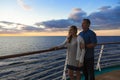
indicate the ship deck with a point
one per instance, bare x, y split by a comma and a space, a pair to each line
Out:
113, 75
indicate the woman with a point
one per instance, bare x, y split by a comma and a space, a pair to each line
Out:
75, 52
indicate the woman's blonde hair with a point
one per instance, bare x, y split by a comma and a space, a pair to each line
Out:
70, 36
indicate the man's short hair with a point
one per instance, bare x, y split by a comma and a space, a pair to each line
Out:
87, 20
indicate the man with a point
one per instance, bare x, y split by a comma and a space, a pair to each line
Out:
90, 42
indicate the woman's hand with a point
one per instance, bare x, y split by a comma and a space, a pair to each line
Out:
54, 48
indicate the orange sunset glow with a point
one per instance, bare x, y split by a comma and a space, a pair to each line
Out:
64, 33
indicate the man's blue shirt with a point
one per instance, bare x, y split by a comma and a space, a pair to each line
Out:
89, 37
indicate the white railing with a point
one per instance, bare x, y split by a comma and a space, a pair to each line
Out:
30, 70
52, 64
100, 55
109, 52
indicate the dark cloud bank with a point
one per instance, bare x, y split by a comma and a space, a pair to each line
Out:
106, 18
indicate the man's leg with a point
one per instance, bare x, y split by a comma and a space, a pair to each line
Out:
85, 70
91, 69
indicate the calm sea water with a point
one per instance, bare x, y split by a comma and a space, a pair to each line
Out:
15, 45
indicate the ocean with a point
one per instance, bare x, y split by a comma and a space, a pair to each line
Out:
31, 67
15, 45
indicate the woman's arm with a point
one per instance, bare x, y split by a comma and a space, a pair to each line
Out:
80, 50
61, 45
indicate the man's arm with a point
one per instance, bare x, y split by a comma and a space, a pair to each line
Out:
93, 40
91, 45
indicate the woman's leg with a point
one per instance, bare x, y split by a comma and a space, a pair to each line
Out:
70, 73
78, 75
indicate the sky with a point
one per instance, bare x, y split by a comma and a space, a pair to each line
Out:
52, 17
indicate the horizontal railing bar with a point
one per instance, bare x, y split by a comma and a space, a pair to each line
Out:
109, 59
44, 72
51, 75
111, 52
11, 78
42, 51
106, 66
104, 60
108, 43
50, 70
107, 48
59, 77
108, 55
110, 64
29, 53
111, 48
116, 62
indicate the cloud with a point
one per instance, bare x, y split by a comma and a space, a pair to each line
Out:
119, 2
8, 31
62, 23
31, 29
23, 5
106, 18
55, 25
9, 27
5, 22
104, 8
74, 18
77, 15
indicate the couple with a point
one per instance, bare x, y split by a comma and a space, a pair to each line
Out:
80, 51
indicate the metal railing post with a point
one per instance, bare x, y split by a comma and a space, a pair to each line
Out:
100, 55
64, 71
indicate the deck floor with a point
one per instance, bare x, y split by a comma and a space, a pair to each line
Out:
114, 75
